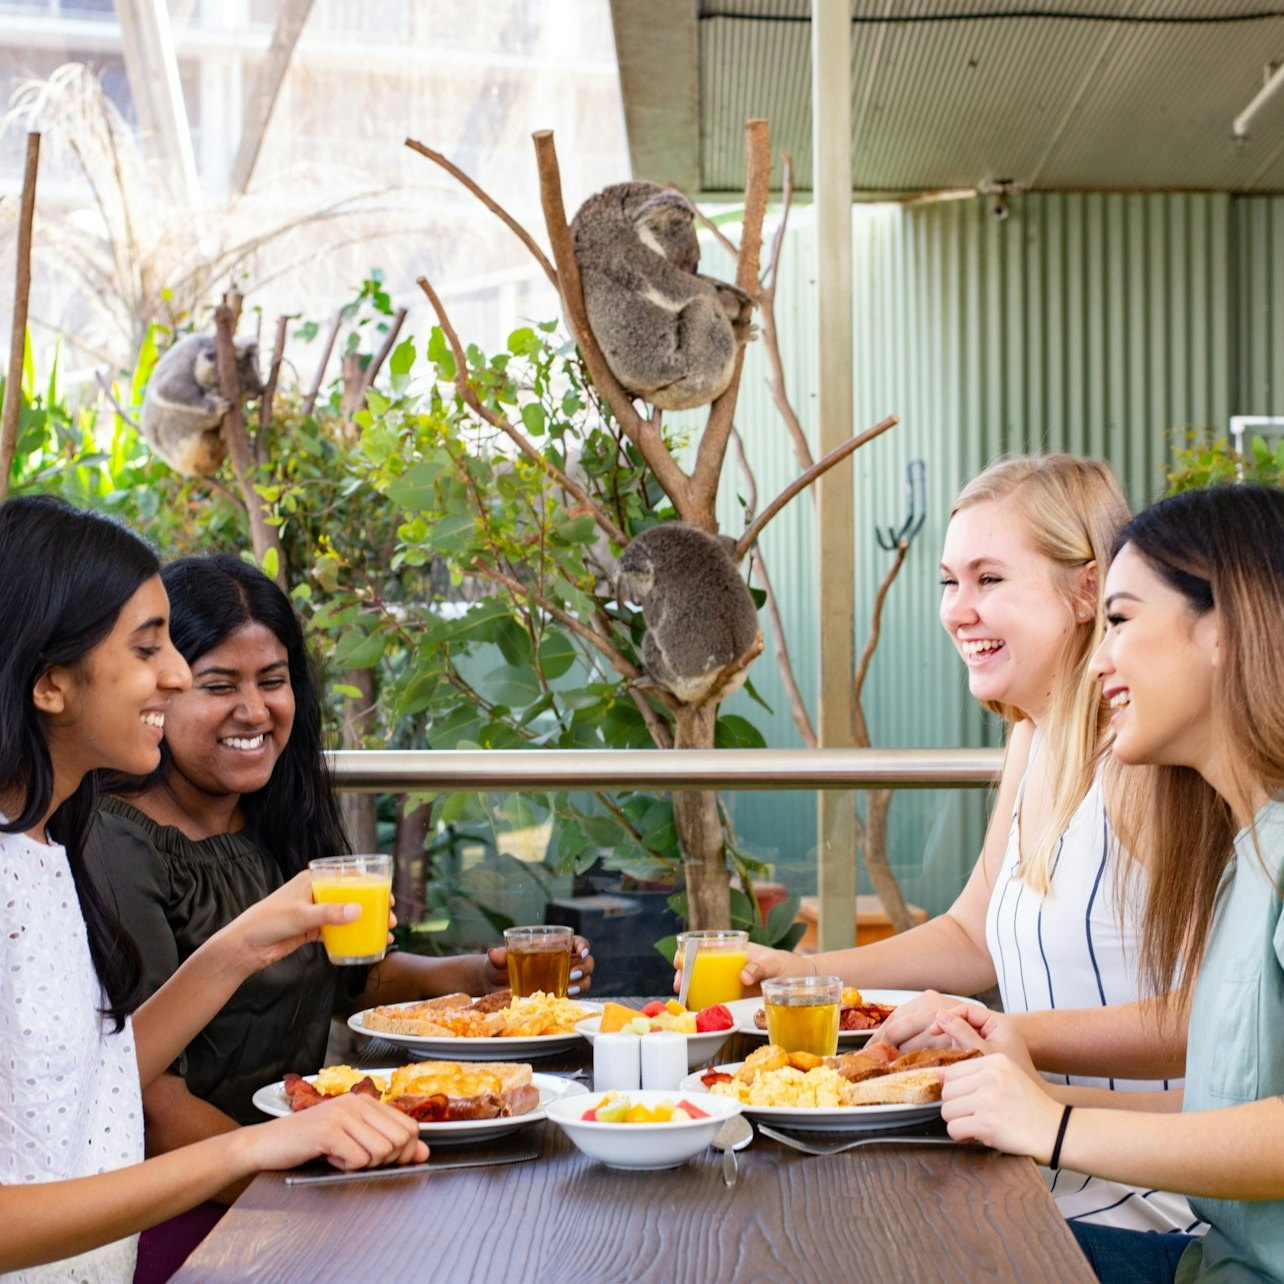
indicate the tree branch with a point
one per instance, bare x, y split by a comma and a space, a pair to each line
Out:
835, 456
102, 382
18, 335
491, 204
269, 392
310, 401
376, 362
262, 535
644, 433
875, 628
717, 431
469, 395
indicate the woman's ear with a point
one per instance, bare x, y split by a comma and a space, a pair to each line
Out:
1085, 591
49, 694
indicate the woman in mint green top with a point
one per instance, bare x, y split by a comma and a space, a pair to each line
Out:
1192, 667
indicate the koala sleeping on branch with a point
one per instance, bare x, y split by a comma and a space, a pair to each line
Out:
183, 412
699, 614
669, 335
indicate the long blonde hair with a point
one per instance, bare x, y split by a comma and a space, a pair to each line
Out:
1222, 549
1073, 509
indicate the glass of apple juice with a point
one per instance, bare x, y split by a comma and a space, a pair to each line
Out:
802, 1013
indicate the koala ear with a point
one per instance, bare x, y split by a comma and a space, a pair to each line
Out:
664, 203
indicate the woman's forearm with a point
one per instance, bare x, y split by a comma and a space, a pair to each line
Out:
1232, 1153
186, 1004
937, 955
174, 1118
46, 1221
1140, 1040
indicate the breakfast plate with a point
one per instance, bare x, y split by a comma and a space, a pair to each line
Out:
831, 1119
271, 1099
494, 1048
743, 1010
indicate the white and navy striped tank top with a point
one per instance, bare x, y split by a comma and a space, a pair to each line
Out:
1077, 948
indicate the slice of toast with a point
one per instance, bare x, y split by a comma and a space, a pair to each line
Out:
903, 1087
434, 1022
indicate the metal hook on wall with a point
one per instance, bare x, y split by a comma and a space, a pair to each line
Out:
916, 502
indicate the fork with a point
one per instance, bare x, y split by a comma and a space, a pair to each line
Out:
837, 1147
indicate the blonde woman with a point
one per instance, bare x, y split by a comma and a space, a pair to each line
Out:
1192, 671
1044, 914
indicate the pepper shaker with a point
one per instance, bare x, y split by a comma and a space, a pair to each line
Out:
664, 1060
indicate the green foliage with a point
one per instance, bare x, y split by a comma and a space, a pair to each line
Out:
428, 553
1200, 459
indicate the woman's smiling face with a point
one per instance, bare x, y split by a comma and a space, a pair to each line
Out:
111, 710
1006, 606
225, 735
1156, 666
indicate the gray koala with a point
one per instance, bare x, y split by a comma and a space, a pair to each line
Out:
668, 334
698, 611
182, 410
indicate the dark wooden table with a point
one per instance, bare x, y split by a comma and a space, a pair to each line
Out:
880, 1213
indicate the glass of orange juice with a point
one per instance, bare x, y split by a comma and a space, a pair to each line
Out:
718, 961
539, 960
802, 1013
361, 880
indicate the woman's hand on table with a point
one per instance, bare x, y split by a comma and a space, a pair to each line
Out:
494, 968
913, 1024
969, 1025
349, 1131
992, 1100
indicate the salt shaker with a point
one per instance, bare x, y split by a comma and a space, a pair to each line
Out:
617, 1062
664, 1060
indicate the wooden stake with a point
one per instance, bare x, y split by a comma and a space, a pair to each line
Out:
21, 296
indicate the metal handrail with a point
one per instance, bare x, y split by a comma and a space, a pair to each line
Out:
496, 770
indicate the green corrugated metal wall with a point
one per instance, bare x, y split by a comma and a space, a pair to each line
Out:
1089, 323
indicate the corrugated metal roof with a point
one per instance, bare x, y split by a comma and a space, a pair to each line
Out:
946, 94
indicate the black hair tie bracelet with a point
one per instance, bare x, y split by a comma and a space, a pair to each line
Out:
1061, 1136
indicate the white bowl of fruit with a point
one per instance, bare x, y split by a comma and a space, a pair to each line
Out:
705, 1031
644, 1130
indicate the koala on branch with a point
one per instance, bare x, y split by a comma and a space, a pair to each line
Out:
699, 614
668, 334
183, 412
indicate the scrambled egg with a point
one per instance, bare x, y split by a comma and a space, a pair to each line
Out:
817, 1089
540, 1014
334, 1080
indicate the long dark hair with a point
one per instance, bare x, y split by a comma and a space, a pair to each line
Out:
64, 577
1222, 549
295, 814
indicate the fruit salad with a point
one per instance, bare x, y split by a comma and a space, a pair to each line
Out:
665, 1015
614, 1108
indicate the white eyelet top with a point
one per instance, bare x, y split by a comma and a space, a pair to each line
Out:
70, 1102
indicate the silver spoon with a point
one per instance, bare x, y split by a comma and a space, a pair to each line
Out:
689, 951
734, 1135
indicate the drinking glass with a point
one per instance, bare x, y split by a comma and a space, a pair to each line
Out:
718, 964
802, 1013
366, 881
539, 959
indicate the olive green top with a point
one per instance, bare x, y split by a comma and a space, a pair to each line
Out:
172, 893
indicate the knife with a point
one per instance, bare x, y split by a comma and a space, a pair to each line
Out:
404, 1170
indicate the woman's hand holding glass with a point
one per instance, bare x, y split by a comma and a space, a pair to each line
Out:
278, 924
494, 968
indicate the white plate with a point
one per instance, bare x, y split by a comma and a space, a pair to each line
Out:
743, 1010
495, 1049
838, 1119
642, 1146
701, 1048
273, 1101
